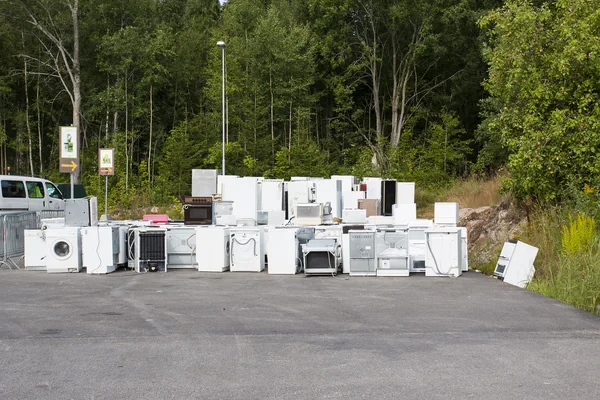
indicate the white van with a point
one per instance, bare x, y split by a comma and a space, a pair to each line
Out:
27, 193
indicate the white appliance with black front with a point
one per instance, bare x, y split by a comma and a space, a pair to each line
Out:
388, 196
284, 251
330, 191
35, 249
100, 249
181, 246
320, 257
212, 248
247, 249
63, 249
362, 253
391, 247
515, 265
443, 252
417, 244
147, 249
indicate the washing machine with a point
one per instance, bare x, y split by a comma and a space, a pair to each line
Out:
63, 249
35, 249
100, 249
247, 249
212, 248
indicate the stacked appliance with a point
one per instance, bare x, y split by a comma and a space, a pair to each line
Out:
405, 193
388, 196
247, 249
35, 249
391, 247
308, 214
329, 191
320, 257
245, 193
443, 252
181, 246
204, 182
515, 265
404, 213
81, 212
299, 192
197, 210
417, 244
63, 249
362, 253
147, 249
100, 249
223, 213
346, 245
284, 251
213, 248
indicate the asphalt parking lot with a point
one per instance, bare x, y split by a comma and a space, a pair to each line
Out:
186, 334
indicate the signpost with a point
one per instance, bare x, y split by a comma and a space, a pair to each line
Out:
69, 153
106, 167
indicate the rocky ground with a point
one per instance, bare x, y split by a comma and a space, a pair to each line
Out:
488, 228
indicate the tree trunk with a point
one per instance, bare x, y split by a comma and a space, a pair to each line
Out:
27, 125
126, 134
290, 129
39, 125
150, 140
272, 122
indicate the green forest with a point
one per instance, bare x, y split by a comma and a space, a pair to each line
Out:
427, 91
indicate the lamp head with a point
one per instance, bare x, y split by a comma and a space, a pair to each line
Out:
221, 44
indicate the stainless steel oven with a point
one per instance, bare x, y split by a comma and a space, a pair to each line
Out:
197, 211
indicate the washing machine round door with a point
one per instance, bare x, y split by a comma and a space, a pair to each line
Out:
62, 249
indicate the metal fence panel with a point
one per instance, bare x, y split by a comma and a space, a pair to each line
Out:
2, 252
14, 226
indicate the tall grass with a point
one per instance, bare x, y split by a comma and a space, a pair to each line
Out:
568, 261
468, 193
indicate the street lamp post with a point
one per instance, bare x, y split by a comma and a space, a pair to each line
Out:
221, 44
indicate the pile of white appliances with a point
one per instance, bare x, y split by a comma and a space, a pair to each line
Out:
311, 225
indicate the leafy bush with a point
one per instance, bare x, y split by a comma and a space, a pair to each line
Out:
544, 100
